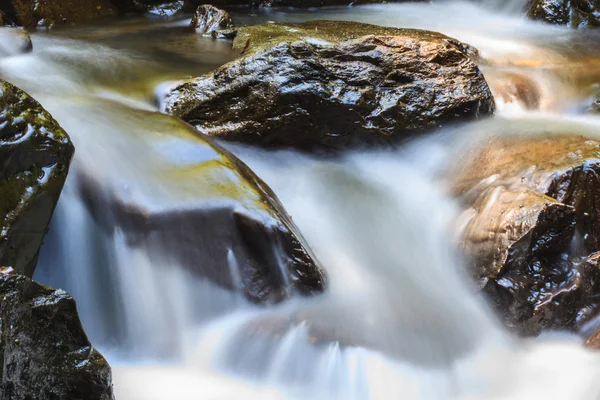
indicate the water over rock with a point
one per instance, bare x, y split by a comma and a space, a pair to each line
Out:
531, 222
44, 352
573, 13
35, 153
233, 230
334, 85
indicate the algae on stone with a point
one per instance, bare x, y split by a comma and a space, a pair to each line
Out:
36, 153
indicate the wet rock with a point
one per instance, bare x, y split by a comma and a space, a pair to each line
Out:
166, 9
573, 13
531, 217
44, 352
14, 41
35, 154
515, 88
233, 231
212, 21
506, 226
334, 85
48, 13
318, 3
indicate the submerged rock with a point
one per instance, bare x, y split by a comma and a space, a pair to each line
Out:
48, 13
210, 20
14, 41
573, 13
327, 84
531, 217
44, 352
230, 228
35, 154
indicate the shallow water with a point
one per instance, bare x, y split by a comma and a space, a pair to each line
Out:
399, 319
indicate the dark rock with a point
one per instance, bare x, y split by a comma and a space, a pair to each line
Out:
573, 13
235, 233
327, 84
532, 215
35, 154
210, 20
48, 13
45, 354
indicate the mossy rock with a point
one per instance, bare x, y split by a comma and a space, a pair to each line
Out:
36, 153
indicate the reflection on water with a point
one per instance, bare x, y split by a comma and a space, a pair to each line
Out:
399, 319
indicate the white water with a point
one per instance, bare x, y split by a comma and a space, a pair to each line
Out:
399, 319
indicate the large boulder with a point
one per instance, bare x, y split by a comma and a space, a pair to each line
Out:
44, 352
221, 222
35, 154
573, 13
334, 85
530, 223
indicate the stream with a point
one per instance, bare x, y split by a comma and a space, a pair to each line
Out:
403, 319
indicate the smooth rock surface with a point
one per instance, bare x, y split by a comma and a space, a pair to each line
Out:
35, 154
44, 352
221, 222
334, 85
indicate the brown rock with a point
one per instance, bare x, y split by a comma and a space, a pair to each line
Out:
529, 199
334, 85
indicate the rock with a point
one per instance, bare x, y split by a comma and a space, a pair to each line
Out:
14, 41
233, 230
531, 215
334, 85
48, 13
44, 352
514, 88
594, 108
506, 226
212, 21
166, 9
574, 13
318, 3
35, 154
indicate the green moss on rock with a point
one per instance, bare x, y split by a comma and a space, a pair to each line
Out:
36, 153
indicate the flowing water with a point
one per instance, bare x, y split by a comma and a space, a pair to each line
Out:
399, 319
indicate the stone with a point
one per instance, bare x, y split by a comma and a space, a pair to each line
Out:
334, 85
35, 153
166, 9
573, 13
44, 352
232, 231
212, 21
